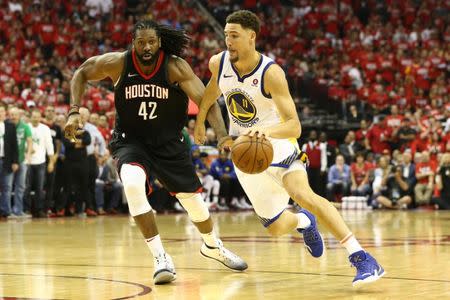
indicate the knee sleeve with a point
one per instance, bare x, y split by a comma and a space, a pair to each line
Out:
134, 180
194, 205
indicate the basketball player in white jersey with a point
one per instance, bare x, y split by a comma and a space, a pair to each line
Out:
259, 103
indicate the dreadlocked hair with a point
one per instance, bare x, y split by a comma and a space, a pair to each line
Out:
173, 41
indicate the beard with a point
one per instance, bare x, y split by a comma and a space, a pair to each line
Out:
147, 62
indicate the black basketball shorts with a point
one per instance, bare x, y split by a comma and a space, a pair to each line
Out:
170, 162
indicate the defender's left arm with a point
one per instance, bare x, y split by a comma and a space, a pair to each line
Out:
275, 84
181, 73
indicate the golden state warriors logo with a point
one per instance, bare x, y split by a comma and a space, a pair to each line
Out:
240, 106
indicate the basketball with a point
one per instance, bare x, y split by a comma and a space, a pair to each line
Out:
251, 154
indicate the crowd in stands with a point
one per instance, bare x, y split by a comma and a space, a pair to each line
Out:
383, 65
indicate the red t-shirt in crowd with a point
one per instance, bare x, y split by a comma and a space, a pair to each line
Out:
47, 33
419, 145
378, 137
360, 135
393, 121
422, 168
378, 100
359, 172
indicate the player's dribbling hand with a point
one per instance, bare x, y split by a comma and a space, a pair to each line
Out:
199, 133
72, 129
225, 143
258, 132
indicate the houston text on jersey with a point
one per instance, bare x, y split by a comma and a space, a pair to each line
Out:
146, 90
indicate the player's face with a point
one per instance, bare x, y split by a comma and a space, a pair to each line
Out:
146, 45
239, 41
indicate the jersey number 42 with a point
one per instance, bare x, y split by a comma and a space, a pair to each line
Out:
147, 110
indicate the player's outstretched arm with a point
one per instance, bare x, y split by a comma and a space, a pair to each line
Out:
209, 103
95, 68
276, 85
195, 89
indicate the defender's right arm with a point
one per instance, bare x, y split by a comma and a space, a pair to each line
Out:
212, 92
95, 68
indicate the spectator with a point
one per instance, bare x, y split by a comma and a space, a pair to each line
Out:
328, 157
425, 178
211, 186
25, 144
107, 180
95, 149
56, 132
211, 139
338, 179
381, 175
316, 160
405, 135
9, 161
94, 119
378, 137
443, 183
360, 176
42, 148
409, 171
350, 147
353, 116
104, 129
77, 175
222, 169
60, 195
394, 191
361, 133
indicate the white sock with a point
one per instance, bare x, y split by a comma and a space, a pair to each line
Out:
351, 244
215, 199
303, 221
210, 239
155, 245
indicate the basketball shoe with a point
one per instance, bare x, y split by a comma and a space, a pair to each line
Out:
311, 236
367, 268
164, 269
225, 256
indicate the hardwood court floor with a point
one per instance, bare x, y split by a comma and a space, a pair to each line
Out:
105, 258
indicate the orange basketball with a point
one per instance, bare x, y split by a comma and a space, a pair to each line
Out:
251, 155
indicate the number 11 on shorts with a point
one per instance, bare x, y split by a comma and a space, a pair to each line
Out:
151, 110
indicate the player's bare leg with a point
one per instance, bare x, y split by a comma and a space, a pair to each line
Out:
212, 246
296, 184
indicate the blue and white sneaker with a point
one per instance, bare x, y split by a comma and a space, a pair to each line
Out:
367, 268
311, 236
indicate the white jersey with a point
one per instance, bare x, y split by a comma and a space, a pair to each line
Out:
248, 104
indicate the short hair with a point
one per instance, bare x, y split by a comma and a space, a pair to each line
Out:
246, 19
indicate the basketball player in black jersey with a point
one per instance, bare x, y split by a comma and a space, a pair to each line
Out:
152, 89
